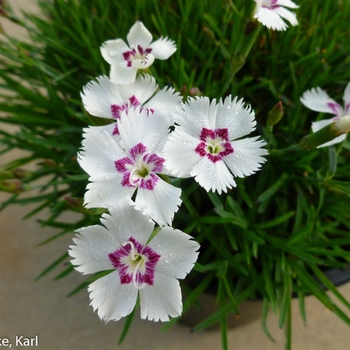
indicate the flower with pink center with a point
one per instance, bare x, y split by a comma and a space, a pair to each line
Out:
318, 100
137, 265
208, 143
105, 99
270, 13
118, 169
126, 60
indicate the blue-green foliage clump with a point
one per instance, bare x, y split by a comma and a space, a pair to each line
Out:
274, 235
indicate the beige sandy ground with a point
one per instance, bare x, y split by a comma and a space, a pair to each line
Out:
41, 308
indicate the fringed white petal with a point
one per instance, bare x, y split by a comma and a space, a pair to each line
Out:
317, 100
346, 98
270, 19
161, 203
125, 221
196, 114
213, 176
91, 249
139, 35
161, 300
287, 3
237, 118
163, 48
247, 156
288, 15
138, 125
178, 252
179, 153
111, 299
122, 74
112, 51
98, 97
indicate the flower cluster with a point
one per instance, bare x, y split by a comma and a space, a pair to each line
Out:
151, 137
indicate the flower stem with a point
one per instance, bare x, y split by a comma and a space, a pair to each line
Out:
239, 57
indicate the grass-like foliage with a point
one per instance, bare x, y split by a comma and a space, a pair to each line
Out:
275, 234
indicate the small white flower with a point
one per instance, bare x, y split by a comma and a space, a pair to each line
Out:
126, 60
208, 145
105, 99
270, 13
118, 169
318, 100
148, 269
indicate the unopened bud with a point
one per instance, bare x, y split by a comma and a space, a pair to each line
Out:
275, 114
183, 91
78, 204
343, 125
326, 134
195, 92
209, 33
13, 186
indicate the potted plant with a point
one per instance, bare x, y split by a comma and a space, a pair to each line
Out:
251, 166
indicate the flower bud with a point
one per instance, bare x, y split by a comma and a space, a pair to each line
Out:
13, 186
343, 125
195, 92
275, 114
326, 134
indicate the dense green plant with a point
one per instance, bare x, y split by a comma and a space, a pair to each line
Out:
273, 235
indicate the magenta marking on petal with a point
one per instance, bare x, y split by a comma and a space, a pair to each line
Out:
121, 164
335, 107
134, 101
116, 109
214, 144
149, 256
200, 149
128, 55
347, 107
157, 162
149, 182
137, 150
116, 129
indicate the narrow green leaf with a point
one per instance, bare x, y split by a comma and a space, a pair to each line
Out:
52, 266
127, 324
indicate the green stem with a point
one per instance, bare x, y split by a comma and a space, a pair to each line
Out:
239, 57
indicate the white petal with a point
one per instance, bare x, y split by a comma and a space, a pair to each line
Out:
143, 63
106, 192
139, 35
346, 99
125, 221
338, 139
102, 129
164, 102
161, 203
196, 114
246, 158
213, 176
270, 19
112, 51
315, 126
111, 299
99, 153
163, 48
287, 3
288, 15
232, 114
99, 96
318, 100
177, 250
137, 126
122, 74
161, 300
179, 153
91, 249
143, 89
